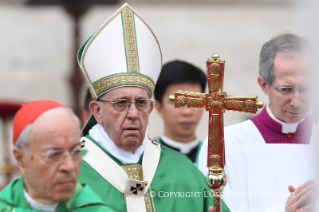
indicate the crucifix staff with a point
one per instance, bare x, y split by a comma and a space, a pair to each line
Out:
216, 101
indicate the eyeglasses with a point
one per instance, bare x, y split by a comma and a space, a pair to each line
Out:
305, 90
55, 156
123, 105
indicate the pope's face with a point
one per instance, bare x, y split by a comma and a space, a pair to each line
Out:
293, 72
52, 182
179, 123
126, 129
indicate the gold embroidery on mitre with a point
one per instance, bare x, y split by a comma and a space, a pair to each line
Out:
136, 172
130, 40
123, 79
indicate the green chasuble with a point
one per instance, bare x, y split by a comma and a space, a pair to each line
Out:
177, 185
12, 199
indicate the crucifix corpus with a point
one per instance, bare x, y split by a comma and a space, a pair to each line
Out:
216, 102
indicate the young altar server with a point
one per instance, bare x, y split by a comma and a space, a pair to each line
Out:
179, 124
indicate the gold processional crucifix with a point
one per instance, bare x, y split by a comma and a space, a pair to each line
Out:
215, 102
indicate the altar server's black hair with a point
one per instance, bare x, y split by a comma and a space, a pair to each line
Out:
178, 72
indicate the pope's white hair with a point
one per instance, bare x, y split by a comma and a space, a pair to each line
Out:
25, 133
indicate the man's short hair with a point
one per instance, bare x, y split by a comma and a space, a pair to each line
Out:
286, 44
87, 100
178, 72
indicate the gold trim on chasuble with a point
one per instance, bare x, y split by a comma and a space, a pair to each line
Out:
136, 172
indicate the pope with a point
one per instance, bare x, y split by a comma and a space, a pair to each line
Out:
121, 62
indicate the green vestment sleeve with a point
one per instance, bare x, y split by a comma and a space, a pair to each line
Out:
12, 199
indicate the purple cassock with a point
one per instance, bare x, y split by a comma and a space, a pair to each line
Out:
272, 131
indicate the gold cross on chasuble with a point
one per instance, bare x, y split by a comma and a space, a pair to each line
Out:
136, 172
216, 102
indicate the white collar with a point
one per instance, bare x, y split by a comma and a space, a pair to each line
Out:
286, 127
126, 157
38, 205
184, 148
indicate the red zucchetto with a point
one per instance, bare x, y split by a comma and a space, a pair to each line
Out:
29, 112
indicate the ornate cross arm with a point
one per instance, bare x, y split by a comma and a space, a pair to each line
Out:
187, 99
248, 104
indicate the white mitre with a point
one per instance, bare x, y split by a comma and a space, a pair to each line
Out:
122, 52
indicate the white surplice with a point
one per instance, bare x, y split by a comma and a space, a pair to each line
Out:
258, 174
